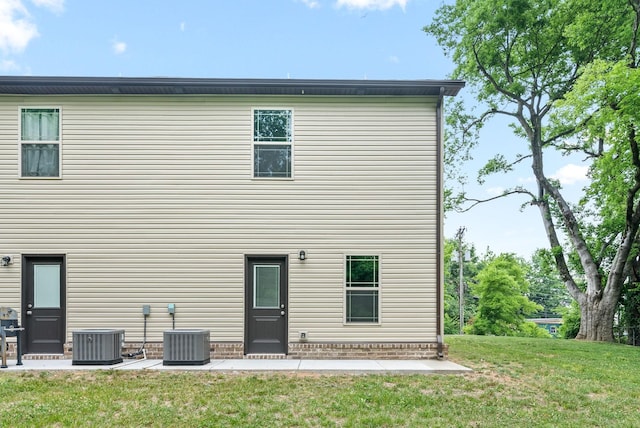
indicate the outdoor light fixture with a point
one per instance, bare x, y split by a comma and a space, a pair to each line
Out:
6, 261
302, 255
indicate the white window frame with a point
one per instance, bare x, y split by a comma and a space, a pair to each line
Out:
346, 288
255, 142
255, 278
21, 141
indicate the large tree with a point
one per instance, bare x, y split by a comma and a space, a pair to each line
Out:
522, 57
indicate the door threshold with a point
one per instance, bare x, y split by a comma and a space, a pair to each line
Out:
43, 357
265, 357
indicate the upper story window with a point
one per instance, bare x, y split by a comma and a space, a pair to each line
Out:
272, 143
40, 142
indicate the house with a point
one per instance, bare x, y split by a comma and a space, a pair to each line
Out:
293, 218
552, 325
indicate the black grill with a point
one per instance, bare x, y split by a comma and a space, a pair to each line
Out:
9, 324
9, 327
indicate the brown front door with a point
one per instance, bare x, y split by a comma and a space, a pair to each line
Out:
43, 304
266, 305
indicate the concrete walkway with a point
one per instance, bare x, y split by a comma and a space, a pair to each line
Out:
251, 365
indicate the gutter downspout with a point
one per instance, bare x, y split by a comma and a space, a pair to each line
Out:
439, 228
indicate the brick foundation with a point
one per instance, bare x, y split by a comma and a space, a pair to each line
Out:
297, 351
364, 351
154, 350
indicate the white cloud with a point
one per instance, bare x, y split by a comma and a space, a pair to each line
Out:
371, 4
571, 174
16, 27
183, 26
56, 6
311, 4
394, 59
8, 65
118, 46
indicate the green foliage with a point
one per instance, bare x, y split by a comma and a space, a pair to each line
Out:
460, 139
471, 268
498, 164
606, 99
503, 305
525, 44
545, 286
531, 329
629, 331
520, 59
570, 321
512, 53
451, 324
519, 54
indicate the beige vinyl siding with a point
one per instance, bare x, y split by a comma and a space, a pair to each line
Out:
157, 205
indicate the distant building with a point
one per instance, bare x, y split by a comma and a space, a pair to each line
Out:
550, 324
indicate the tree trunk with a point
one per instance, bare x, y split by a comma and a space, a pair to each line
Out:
596, 321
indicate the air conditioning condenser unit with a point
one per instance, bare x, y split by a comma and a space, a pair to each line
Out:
186, 347
97, 346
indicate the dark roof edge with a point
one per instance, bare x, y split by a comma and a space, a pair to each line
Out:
42, 85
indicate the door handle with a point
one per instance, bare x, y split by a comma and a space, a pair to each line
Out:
29, 312
282, 313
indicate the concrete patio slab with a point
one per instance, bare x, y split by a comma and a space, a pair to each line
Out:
340, 366
420, 366
258, 365
137, 364
445, 367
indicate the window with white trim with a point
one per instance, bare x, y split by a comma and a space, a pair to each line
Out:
272, 143
39, 142
362, 288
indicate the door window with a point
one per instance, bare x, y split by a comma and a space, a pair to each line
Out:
46, 286
266, 286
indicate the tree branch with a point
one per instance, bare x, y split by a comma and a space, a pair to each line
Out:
605, 247
491, 79
575, 236
506, 193
556, 250
479, 120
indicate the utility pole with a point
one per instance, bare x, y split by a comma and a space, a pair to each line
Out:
460, 236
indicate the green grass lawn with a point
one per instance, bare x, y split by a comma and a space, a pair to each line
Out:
516, 382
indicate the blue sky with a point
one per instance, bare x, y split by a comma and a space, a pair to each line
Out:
324, 39
379, 39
